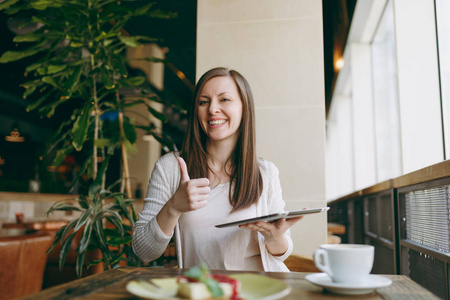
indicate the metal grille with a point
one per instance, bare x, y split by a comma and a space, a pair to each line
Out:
371, 215
338, 213
386, 217
384, 259
427, 218
358, 225
428, 272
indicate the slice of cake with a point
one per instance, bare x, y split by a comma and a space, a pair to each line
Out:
200, 284
199, 290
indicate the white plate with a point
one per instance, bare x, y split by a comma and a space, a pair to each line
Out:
253, 286
163, 288
368, 285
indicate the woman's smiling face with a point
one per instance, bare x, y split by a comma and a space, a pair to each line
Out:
220, 109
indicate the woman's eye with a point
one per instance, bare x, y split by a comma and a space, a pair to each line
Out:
202, 102
225, 99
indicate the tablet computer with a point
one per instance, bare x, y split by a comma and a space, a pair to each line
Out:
274, 217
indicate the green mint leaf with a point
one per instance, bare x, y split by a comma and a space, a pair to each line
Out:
204, 269
213, 286
202, 275
194, 273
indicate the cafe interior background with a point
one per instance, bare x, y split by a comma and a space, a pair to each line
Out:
352, 101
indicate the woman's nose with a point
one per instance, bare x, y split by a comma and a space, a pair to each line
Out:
214, 107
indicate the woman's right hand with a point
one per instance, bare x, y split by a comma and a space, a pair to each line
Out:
192, 194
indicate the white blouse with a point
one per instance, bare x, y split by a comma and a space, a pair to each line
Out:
229, 248
149, 242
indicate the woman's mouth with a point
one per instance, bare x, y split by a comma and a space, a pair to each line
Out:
216, 122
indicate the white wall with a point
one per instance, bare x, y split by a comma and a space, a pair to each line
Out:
278, 47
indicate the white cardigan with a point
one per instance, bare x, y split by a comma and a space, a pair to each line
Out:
149, 242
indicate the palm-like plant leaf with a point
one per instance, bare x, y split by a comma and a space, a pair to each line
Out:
62, 206
37, 102
83, 219
130, 131
118, 257
80, 263
7, 4
65, 250
85, 237
98, 227
71, 82
68, 229
111, 232
80, 128
99, 179
117, 222
58, 237
157, 114
61, 154
83, 201
10, 56
116, 241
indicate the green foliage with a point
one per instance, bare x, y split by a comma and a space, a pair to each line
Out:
80, 57
79, 48
100, 207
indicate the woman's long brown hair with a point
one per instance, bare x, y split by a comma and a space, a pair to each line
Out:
246, 182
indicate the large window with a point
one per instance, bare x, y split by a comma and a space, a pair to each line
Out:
386, 113
339, 154
398, 54
443, 34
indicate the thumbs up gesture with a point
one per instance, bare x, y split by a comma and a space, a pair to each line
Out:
191, 194
183, 170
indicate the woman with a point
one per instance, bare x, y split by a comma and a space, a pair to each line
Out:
217, 178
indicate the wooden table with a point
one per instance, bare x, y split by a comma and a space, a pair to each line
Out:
111, 285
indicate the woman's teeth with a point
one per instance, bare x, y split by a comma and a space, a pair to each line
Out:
216, 122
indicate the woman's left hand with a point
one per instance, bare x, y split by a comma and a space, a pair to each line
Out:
273, 233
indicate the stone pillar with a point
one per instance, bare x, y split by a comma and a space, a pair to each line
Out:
278, 47
142, 162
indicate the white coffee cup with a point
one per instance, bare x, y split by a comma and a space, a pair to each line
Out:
345, 263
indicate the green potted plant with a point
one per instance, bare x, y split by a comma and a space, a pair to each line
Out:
79, 49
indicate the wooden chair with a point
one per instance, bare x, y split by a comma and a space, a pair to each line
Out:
23, 264
299, 263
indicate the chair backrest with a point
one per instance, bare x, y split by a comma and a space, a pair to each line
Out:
23, 264
54, 276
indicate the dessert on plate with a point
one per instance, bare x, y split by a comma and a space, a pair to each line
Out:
197, 283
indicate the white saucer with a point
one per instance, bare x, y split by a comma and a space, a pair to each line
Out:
368, 285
